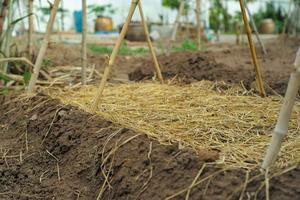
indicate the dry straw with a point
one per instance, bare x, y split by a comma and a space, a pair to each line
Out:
203, 115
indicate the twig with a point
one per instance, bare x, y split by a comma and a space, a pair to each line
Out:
53, 156
245, 186
51, 124
41, 177
144, 187
267, 182
58, 172
194, 181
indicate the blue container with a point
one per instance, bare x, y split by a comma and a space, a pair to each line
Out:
78, 21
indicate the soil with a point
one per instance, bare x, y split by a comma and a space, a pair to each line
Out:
55, 151
232, 65
229, 63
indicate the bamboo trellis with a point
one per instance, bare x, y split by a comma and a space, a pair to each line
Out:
112, 59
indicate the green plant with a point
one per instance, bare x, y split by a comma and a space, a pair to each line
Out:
173, 4
186, 45
101, 10
271, 12
124, 49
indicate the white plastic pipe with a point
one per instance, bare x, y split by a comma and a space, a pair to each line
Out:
281, 128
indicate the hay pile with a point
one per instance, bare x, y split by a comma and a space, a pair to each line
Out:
201, 115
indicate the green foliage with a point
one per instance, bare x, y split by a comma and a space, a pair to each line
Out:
219, 17
4, 91
186, 45
173, 4
4, 78
47, 63
124, 49
26, 77
273, 13
101, 10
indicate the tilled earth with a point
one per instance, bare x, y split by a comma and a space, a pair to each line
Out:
229, 63
54, 151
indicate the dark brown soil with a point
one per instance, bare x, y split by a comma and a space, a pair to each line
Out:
80, 145
232, 65
228, 63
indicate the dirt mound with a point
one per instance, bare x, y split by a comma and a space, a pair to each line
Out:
232, 65
190, 67
53, 151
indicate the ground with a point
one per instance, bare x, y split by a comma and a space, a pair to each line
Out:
50, 150
54, 151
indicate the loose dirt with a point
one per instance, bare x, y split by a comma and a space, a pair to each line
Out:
230, 64
54, 151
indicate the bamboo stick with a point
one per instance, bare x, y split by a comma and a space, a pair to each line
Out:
287, 18
281, 128
153, 53
30, 27
3, 13
113, 56
263, 48
83, 44
8, 35
253, 51
198, 17
177, 22
43, 48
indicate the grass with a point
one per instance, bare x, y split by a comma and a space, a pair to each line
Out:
124, 49
186, 45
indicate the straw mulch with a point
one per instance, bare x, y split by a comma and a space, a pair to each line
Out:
203, 115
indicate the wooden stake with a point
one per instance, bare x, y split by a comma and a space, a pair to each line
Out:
198, 17
153, 53
255, 30
177, 22
30, 28
43, 48
83, 44
113, 56
3, 14
253, 51
287, 18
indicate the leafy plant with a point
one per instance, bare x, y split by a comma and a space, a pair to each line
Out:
26, 77
186, 45
270, 12
101, 10
124, 49
173, 4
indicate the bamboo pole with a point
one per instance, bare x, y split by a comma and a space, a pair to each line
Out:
113, 56
253, 51
30, 27
8, 35
287, 18
177, 22
3, 13
198, 17
153, 53
263, 48
43, 48
281, 128
83, 44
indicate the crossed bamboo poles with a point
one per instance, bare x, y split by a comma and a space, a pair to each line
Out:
112, 59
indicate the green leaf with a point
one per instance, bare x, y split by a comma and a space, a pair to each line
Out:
26, 77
